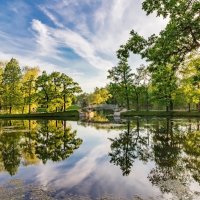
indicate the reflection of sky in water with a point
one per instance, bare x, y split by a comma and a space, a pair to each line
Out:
91, 173
88, 170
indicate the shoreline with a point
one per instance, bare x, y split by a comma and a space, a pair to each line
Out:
71, 114
160, 114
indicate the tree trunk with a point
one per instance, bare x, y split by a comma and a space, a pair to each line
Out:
127, 99
199, 106
137, 102
29, 108
198, 125
10, 109
64, 106
189, 107
23, 110
171, 105
147, 100
64, 98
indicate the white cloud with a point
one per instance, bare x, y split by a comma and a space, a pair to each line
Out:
51, 17
49, 39
111, 25
46, 44
93, 30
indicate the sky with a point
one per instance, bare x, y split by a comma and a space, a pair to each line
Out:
76, 37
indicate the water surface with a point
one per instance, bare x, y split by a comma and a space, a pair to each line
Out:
143, 158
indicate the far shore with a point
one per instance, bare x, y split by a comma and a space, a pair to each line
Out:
133, 113
74, 114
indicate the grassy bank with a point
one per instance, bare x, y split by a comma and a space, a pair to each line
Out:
160, 114
71, 114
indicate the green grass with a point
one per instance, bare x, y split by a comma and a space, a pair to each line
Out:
71, 114
73, 107
41, 110
161, 113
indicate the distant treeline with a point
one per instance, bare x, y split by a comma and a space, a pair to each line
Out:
162, 88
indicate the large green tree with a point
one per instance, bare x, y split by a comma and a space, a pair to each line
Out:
56, 91
122, 81
28, 88
164, 85
45, 89
11, 85
69, 89
180, 37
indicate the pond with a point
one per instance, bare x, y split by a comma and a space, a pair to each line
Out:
157, 158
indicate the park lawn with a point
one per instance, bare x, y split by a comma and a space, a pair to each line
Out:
70, 114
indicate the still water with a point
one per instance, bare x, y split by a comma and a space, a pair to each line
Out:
138, 159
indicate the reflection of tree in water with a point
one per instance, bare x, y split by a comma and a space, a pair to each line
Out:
129, 146
46, 140
174, 149
170, 173
166, 146
55, 141
28, 143
192, 150
10, 151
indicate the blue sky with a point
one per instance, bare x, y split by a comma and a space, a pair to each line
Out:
77, 37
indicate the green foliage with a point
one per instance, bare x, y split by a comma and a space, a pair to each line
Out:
44, 140
28, 87
164, 85
166, 52
83, 100
190, 82
23, 91
99, 96
56, 91
180, 37
11, 84
121, 81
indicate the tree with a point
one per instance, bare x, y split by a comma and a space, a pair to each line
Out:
69, 90
190, 80
56, 90
180, 37
122, 79
11, 84
56, 101
164, 85
140, 83
83, 100
28, 86
44, 89
99, 96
